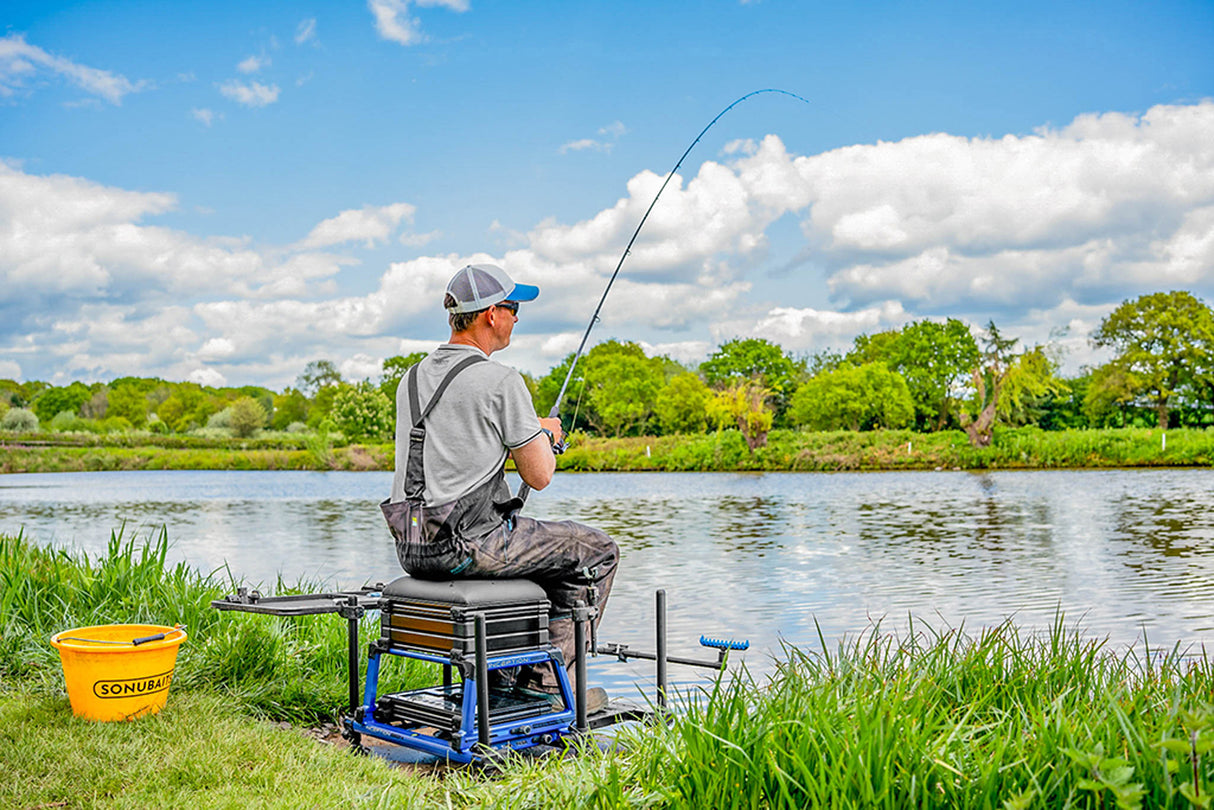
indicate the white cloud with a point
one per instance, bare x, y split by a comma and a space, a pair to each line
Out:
581, 145
360, 367
613, 133
253, 94
393, 22
21, 62
216, 349
369, 224
419, 239
9, 370
203, 115
305, 31
616, 129
806, 329
207, 376
252, 64
687, 352
1035, 231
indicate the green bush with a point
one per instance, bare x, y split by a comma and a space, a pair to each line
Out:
362, 412
65, 421
19, 420
246, 416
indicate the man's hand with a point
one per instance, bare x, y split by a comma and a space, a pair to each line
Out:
553, 424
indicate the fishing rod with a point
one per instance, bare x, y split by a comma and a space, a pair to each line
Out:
524, 490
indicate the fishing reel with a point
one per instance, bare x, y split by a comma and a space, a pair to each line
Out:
557, 447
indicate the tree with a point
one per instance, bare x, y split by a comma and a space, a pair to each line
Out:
290, 406
1166, 341
682, 404
988, 379
317, 375
853, 398
54, 401
935, 359
394, 369
13, 394
128, 402
1032, 377
362, 412
1112, 389
247, 417
745, 404
622, 386
548, 386
97, 404
753, 359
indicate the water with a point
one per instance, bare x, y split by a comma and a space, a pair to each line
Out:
772, 558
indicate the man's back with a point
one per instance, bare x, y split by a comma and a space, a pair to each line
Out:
485, 412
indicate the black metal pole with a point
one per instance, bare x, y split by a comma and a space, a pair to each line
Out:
352, 640
482, 682
661, 656
579, 668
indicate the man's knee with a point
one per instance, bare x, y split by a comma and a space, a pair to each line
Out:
606, 549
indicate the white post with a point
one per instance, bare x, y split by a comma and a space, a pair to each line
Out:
1163, 442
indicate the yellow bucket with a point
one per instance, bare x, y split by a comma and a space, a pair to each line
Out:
118, 671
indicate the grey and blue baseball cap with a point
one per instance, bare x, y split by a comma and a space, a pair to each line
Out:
480, 286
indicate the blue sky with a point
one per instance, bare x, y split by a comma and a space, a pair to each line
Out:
225, 191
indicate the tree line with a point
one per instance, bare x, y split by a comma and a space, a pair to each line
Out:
926, 375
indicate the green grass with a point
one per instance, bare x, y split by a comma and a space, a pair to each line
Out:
827, 451
786, 450
285, 669
994, 718
945, 719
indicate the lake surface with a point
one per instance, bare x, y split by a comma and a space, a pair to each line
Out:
756, 556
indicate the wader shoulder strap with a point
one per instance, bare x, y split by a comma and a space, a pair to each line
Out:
415, 474
414, 403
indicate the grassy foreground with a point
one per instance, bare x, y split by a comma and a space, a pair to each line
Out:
786, 450
926, 718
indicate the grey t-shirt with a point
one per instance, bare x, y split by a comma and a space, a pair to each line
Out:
485, 411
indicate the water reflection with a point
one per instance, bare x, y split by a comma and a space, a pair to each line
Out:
772, 558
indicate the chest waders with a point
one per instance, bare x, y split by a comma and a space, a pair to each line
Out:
432, 542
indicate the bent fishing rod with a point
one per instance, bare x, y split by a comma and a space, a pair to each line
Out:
525, 490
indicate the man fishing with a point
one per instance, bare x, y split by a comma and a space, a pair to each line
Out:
459, 416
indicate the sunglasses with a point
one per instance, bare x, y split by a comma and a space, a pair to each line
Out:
510, 305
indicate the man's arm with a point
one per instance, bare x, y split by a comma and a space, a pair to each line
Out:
535, 460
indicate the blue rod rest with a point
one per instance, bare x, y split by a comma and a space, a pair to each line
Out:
723, 644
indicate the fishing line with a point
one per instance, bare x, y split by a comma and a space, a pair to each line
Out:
556, 406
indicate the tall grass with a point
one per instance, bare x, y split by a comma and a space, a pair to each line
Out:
999, 718
943, 719
284, 668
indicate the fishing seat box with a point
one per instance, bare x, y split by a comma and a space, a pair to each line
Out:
438, 617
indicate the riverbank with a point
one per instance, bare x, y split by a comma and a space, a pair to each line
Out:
924, 717
787, 450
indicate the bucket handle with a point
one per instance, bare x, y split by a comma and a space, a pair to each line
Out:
177, 628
